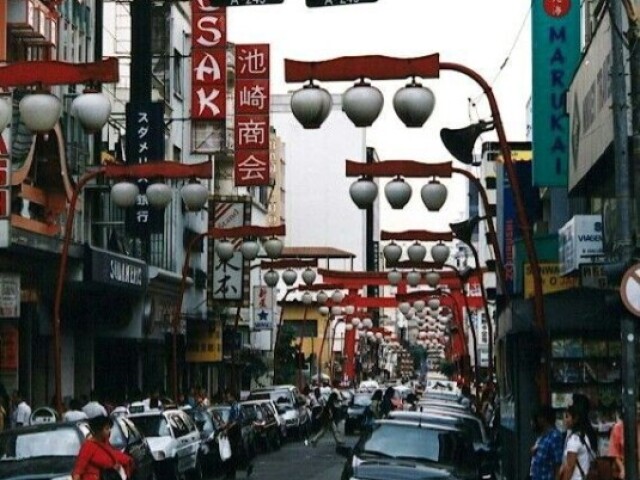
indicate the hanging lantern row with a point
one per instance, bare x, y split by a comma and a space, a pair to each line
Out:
249, 249
159, 194
413, 278
362, 103
41, 110
416, 252
398, 192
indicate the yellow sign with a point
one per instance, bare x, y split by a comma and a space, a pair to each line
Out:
552, 281
204, 343
517, 156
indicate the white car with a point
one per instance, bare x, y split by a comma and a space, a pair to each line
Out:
290, 405
174, 441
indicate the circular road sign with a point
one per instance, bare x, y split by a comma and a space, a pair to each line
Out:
630, 289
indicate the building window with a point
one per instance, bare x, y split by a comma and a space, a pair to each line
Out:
304, 328
178, 75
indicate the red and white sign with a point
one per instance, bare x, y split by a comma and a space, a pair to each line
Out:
252, 115
209, 62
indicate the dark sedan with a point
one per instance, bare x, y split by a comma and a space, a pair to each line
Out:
358, 406
394, 449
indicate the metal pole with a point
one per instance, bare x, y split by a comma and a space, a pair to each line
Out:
324, 337
624, 230
62, 272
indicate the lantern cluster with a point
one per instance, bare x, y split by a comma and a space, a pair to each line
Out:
398, 192
250, 248
428, 323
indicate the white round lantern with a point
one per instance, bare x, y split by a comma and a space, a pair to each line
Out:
392, 253
323, 309
417, 252
434, 303
419, 305
367, 322
398, 193
92, 109
440, 253
250, 249
404, 307
273, 247
355, 321
433, 194
40, 111
194, 195
433, 278
348, 327
363, 192
413, 278
379, 335
307, 298
349, 309
224, 249
289, 277
322, 297
394, 277
362, 103
124, 194
311, 106
308, 276
159, 195
337, 296
271, 278
336, 310
413, 104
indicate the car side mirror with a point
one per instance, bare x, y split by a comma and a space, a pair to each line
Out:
344, 451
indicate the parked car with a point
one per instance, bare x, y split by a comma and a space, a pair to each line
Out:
209, 424
264, 422
126, 437
356, 412
174, 440
412, 450
282, 426
291, 407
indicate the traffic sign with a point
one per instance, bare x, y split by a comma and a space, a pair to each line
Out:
336, 3
243, 3
630, 289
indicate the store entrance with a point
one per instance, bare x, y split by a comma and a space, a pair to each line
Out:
116, 370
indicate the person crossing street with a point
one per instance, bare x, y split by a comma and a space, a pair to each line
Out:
328, 418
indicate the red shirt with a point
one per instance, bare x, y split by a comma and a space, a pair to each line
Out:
93, 458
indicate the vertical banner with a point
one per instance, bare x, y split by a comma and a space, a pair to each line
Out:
252, 115
209, 61
555, 28
5, 182
229, 280
145, 143
9, 295
263, 308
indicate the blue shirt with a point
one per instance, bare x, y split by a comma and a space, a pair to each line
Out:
548, 456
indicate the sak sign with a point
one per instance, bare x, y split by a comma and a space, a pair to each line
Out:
555, 27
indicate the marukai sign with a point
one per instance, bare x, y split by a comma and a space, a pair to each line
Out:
125, 273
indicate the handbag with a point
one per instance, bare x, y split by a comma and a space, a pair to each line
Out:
224, 446
600, 467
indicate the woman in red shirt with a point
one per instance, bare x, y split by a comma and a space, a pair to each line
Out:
97, 454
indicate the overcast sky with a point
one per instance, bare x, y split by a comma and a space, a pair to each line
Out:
477, 33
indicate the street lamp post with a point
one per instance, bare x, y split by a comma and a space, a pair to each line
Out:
377, 67
121, 172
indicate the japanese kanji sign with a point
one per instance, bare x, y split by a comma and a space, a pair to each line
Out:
209, 61
229, 280
263, 308
252, 115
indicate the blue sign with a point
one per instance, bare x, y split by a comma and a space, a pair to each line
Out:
555, 26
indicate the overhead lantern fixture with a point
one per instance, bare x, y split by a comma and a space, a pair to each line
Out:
414, 104
413, 278
362, 103
324, 310
6, 111
125, 194
322, 297
250, 249
336, 310
92, 109
440, 253
194, 195
433, 278
348, 327
417, 252
355, 321
404, 307
40, 111
273, 247
271, 278
398, 193
307, 298
337, 296
367, 322
363, 192
224, 249
311, 105
349, 309
394, 277
434, 303
289, 277
419, 305
392, 253
159, 195
308, 276
433, 194
460, 142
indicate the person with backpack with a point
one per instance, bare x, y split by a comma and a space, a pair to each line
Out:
577, 454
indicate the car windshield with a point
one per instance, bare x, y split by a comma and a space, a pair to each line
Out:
61, 442
362, 400
152, 425
467, 425
417, 443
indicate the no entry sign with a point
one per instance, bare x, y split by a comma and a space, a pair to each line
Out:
630, 289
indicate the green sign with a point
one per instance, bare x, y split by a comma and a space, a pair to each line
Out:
555, 27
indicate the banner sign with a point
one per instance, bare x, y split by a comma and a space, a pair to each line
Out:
9, 295
263, 308
552, 281
229, 280
252, 115
204, 343
209, 61
579, 241
555, 27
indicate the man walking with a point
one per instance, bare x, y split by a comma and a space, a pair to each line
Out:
22, 411
328, 418
546, 454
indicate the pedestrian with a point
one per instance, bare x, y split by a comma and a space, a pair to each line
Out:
376, 403
94, 408
22, 410
616, 443
546, 454
233, 430
96, 455
387, 405
411, 402
75, 412
582, 403
328, 418
152, 402
577, 453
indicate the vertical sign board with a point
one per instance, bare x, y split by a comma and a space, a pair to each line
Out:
209, 62
5, 183
555, 28
263, 308
9, 295
252, 115
145, 143
230, 279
